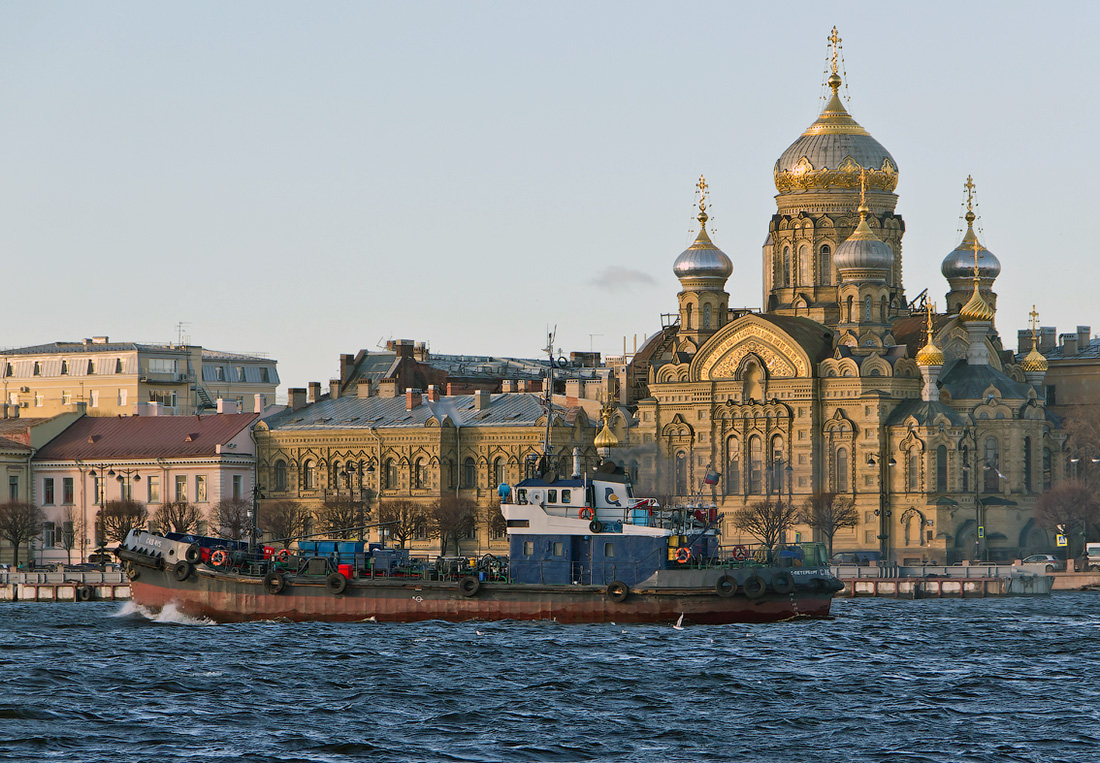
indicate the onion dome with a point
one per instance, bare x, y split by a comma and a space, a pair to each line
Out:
1033, 361
832, 151
977, 309
606, 438
863, 250
930, 354
703, 259
960, 263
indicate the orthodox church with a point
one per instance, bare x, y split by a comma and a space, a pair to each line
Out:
935, 431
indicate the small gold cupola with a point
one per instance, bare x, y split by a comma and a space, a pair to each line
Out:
930, 354
977, 309
1034, 362
605, 438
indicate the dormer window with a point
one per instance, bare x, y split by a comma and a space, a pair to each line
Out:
64, 367
219, 373
118, 365
37, 368
240, 373
91, 367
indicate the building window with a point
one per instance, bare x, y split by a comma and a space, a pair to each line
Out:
181, 487
238, 486
118, 365
38, 400
992, 462
48, 529
280, 475
37, 369
67, 491
95, 398
153, 484
1027, 464
681, 473
756, 466
66, 397
219, 373
1051, 397
966, 469
776, 466
240, 373
418, 474
706, 316
47, 491
389, 473
825, 266
1048, 461
309, 476
68, 539
867, 308
122, 397
469, 473
265, 375
91, 368
64, 368
941, 469
688, 321
786, 266
13, 488
912, 470
733, 467
498, 471
97, 489
200, 488
842, 470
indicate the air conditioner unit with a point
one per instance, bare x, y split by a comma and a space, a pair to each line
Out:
24, 405
24, 389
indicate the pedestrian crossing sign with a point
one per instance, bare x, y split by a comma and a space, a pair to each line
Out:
1062, 542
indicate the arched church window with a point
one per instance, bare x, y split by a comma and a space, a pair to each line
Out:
309, 475
498, 471
786, 266
756, 466
851, 306
941, 469
841, 481
1048, 461
469, 473
882, 310
1027, 464
681, 473
688, 312
966, 468
992, 462
867, 308
825, 265
280, 474
706, 316
753, 389
805, 267
912, 470
733, 467
776, 466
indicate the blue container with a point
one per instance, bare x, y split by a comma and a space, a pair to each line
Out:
641, 517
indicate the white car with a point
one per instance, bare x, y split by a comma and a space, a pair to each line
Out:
1051, 562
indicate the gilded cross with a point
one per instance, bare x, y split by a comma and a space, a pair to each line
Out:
703, 189
834, 38
976, 276
1034, 319
969, 186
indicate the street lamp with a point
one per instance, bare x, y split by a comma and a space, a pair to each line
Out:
883, 511
124, 480
101, 500
979, 506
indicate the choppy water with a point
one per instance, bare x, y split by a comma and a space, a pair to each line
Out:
1012, 679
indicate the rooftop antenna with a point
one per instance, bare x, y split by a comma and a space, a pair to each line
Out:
180, 325
548, 398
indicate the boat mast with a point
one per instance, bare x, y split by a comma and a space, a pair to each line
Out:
548, 397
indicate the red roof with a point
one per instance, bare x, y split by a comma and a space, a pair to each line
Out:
17, 432
94, 437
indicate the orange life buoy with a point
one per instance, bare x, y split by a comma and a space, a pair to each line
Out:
740, 553
283, 556
683, 554
219, 557
587, 513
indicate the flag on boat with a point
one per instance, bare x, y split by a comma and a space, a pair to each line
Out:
712, 477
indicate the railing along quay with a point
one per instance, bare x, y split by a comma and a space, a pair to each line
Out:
64, 586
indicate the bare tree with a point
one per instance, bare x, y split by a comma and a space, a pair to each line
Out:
286, 520
401, 518
341, 516
20, 522
117, 518
828, 513
179, 517
72, 530
232, 518
1067, 507
450, 519
498, 525
766, 520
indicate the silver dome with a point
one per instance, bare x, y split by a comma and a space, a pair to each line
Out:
960, 263
703, 260
863, 250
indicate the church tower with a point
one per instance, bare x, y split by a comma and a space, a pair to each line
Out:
818, 180
863, 264
703, 269
958, 269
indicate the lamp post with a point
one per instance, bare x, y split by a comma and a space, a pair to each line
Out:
123, 476
883, 511
981, 551
100, 478
254, 517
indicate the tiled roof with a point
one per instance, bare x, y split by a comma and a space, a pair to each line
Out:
966, 382
222, 355
8, 444
925, 413
511, 409
68, 348
95, 437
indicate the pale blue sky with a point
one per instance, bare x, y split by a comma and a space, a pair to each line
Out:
309, 179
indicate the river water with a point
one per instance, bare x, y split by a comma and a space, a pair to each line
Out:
999, 679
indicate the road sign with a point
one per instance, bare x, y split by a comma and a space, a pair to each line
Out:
981, 531
1062, 541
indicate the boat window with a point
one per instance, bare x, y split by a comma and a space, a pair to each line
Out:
551, 496
521, 496
609, 549
565, 496
528, 547
559, 548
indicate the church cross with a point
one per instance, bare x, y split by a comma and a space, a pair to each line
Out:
969, 186
834, 38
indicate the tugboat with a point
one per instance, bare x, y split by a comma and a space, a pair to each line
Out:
582, 549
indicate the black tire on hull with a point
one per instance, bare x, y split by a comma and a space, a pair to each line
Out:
83, 592
595, 527
725, 587
469, 586
782, 582
618, 591
193, 553
336, 583
181, 571
755, 587
274, 582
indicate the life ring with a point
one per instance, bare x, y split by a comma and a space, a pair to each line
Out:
618, 591
282, 556
782, 582
83, 592
536, 496
755, 587
683, 555
274, 582
219, 557
469, 586
725, 587
181, 570
587, 513
193, 553
595, 527
740, 553
336, 583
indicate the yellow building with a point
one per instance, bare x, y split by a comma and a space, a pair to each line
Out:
124, 378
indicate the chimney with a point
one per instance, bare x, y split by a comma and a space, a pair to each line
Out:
227, 406
296, 397
100, 340
1047, 338
260, 403
507, 385
334, 388
1069, 344
433, 393
1023, 342
387, 388
362, 388
403, 348
314, 392
412, 398
1084, 338
481, 399
345, 366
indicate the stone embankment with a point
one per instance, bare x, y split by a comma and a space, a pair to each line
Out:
964, 581
64, 586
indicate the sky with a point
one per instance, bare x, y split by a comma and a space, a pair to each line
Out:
304, 180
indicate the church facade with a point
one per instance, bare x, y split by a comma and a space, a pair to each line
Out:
938, 435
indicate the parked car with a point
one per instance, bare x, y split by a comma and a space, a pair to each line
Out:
1051, 563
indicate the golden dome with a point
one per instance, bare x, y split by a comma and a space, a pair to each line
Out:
606, 438
977, 309
1033, 362
930, 355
